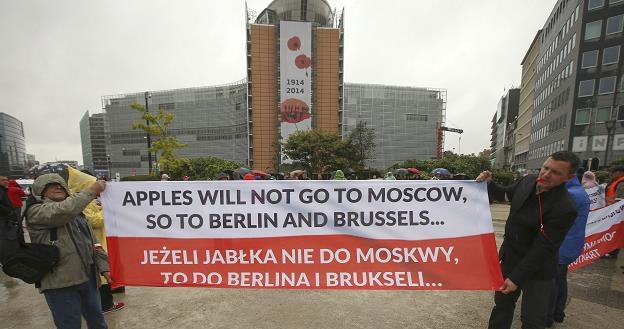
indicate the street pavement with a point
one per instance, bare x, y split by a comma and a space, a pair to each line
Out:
597, 301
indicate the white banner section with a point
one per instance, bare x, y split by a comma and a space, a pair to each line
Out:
405, 210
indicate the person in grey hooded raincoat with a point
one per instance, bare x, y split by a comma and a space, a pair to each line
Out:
71, 288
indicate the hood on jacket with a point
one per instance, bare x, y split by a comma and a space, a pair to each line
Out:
44, 180
339, 175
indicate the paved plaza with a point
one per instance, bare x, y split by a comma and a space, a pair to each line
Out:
597, 301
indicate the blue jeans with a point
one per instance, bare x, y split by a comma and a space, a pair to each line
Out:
560, 295
68, 304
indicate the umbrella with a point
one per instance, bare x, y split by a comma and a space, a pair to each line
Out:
441, 172
413, 171
249, 176
297, 172
461, 176
50, 168
258, 173
240, 172
401, 171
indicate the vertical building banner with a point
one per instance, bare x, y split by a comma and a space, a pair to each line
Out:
295, 77
380, 235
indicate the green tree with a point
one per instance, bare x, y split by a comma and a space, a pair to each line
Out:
316, 151
202, 168
361, 142
616, 162
159, 127
470, 165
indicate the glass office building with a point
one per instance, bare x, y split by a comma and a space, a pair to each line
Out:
212, 121
243, 121
405, 120
93, 140
12, 147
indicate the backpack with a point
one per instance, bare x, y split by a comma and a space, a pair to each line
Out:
29, 262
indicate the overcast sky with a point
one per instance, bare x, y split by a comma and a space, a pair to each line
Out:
59, 57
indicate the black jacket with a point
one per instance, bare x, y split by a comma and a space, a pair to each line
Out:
526, 253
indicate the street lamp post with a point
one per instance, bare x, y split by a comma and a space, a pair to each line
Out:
149, 138
108, 164
610, 125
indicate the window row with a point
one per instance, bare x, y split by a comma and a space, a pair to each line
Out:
565, 51
600, 115
593, 30
562, 33
546, 150
554, 84
610, 55
606, 85
597, 4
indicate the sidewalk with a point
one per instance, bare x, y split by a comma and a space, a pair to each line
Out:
597, 301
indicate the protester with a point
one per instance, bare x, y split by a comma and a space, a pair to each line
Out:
541, 214
71, 289
389, 176
223, 176
589, 180
16, 194
95, 216
339, 175
8, 221
164, 177
249, 176
580, 172
569, 251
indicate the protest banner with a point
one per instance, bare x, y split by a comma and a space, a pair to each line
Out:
603, 233
302, 234
596, 197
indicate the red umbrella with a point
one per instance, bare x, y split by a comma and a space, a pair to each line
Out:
258, 172
413, 171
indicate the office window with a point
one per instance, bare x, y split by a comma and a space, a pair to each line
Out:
620, 113
592, 30
595, 4
582, 116
611, 55
586, 88
603, 114
607, 85
615, 24
590, 59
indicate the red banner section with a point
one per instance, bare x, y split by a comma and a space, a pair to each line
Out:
596, 245
308, 262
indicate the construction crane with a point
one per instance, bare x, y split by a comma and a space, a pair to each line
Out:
441, 130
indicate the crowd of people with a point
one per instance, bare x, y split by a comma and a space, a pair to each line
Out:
544, 233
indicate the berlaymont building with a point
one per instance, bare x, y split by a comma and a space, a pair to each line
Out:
294, 82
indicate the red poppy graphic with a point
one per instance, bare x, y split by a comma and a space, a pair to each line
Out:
294, 110
294, 43
303, 61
